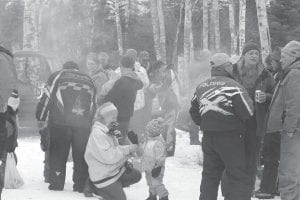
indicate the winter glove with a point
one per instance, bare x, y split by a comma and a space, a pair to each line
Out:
132, 136
45, 139
156, 171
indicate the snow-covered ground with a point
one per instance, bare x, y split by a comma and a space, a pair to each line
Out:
182, 176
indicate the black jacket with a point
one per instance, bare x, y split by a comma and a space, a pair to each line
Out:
123, 95
221, 104
69, 99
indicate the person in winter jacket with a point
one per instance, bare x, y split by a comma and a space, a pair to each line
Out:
8, 75
221, 107
109, 171
68, 104
284, 116
153, 159
8, 132
123, 94
259, 84
271, 145
139, 120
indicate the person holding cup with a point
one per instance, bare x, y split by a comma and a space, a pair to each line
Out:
259, 83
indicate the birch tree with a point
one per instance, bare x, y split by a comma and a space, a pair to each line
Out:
216, 27
155, 28
162, 32
242, 24
205, 25
233, 36
187, 40
119, 28
263, 28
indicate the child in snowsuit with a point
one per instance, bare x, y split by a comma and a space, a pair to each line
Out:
153, 160
8, 132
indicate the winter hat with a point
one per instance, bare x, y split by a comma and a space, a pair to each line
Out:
292, 48
250, 46
14, 100
106, 111
155, 127
70, 65
219, 59
144, 55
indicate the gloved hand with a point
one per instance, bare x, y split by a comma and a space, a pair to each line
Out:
156, 171
132, 136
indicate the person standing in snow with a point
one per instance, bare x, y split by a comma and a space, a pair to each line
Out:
259, 83
108, 168
284, 116
271, 145
153, 156
220, 107
68, 103
8, 131
139, 119
123, 94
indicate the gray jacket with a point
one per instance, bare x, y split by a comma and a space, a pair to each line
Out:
284, 113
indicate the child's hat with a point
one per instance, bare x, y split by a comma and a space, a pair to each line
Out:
106, 110
155, 127
14, 100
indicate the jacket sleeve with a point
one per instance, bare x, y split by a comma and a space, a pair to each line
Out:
292, 105
243, 105
3, 135
194, 110
107, 153
114, 93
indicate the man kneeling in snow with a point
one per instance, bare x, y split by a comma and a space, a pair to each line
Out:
108, 169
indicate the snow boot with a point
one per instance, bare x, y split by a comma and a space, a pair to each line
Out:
164, 198
151, 197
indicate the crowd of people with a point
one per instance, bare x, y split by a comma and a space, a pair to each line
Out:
249, 115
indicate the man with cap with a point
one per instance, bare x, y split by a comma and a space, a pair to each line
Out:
109, 171
220, 107
68, 104
284, 116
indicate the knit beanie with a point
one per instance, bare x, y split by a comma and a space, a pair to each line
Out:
250, 46
292, 48
14, 100
155, 127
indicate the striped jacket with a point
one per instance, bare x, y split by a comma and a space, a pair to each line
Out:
69, 98
221, 104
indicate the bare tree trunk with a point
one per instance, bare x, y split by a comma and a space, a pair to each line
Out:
155, 27
233, 35
242, 24
30, 29
119, 28
187, 40
215, 19
162, 31
127, 17
205, 25
263, 28
175, 44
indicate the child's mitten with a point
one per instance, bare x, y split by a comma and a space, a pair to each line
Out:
156, 171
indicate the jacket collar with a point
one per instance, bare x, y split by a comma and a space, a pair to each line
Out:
100, 126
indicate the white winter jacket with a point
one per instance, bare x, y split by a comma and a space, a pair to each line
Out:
105, 157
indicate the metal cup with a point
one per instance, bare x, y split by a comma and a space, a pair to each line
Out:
257, 95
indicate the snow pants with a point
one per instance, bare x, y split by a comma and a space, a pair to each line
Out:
289, 167
156, 186
115, 190
224, 151
271, 156
61, 138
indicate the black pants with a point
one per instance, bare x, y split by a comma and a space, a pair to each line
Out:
224, 151
194, 133
62, 137
115, 191
271, 157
